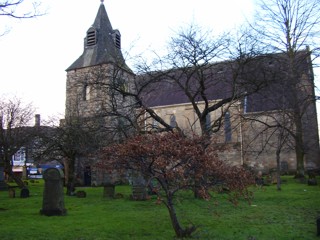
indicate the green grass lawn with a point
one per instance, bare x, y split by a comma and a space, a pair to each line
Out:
288, 214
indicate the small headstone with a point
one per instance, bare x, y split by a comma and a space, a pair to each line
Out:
312, 182
53, 196
284, 167
139, 193
81, 194
139, 188
24, 193
12, 193
118, 195
109, 191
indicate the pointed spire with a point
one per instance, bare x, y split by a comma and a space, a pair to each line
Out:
102, 43
102, 20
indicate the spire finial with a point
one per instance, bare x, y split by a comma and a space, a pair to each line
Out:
101, 1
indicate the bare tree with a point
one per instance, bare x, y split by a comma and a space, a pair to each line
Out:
14, 132
196, 70
70, 142
211, 74
11, 8
268, 134
290, 27
19, 9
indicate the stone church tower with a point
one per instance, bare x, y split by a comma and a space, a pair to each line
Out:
101, 64
90, 100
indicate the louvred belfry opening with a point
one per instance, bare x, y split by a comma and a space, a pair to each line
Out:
116, 38
118, 41
91, 37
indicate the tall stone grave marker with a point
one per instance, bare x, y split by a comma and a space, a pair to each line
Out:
53, 196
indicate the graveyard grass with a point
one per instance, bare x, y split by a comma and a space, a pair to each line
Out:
288, 214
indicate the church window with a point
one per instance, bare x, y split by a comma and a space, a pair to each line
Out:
91, 39
245, 104
173, 122
227, 127
155, 123
86, 92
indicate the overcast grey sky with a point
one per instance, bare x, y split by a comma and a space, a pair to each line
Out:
36, 52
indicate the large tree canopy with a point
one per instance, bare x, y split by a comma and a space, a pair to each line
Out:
177, 163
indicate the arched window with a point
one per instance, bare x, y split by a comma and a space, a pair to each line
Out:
86, 92
173, 122
155, 124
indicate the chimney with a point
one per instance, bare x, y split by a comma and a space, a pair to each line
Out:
37, 120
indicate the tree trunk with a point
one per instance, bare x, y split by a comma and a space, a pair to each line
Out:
197, 182
16, 179
300, 172
180, 232
278, 170
70, 179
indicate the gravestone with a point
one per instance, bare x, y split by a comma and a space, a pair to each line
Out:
109, 190
139, 189
312, 180
53, 198
109, 184
284, 167
24, 193
81, 194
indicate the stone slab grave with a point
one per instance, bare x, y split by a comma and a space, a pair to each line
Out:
53, 196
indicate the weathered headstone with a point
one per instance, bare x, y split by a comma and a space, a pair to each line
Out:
312, 180
81, 194
109, 184
24, 193
284, 167
53, 197
109, 190
139, 189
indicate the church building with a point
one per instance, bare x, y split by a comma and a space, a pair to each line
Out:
102, 65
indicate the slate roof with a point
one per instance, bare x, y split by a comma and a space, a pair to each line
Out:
104, 51
168, 92
274, 93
